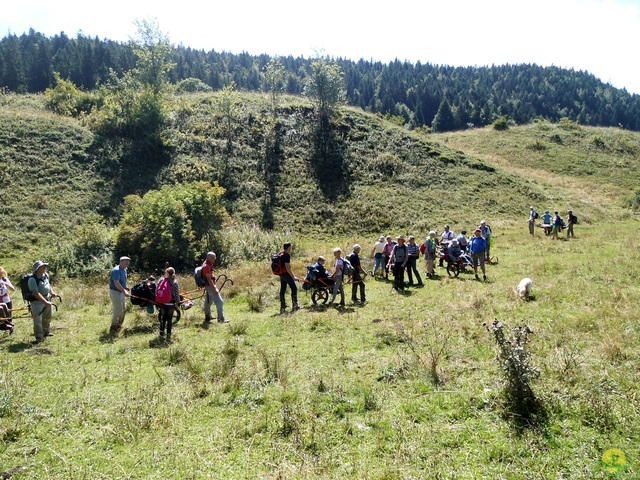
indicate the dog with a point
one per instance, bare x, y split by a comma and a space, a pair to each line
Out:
524, 288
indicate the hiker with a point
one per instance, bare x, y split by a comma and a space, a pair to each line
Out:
386, 254
398, 262
477, 247
463, 241
445, 238
337, 275
41, 289
547, 217
288, 278
212, 293
413, 252
430, 253
571, 221
558, 223
165, 310
5, 287
376, 254
118, 293
532, 219
357, 277
485, 231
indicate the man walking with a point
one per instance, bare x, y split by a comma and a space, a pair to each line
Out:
485, 231
287, 278
357, 278
118, 294
212, 293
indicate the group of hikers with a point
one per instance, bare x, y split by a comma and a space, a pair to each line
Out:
390, 256
551, 224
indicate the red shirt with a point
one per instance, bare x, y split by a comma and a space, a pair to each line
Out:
208, 273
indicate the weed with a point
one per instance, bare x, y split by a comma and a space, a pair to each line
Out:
428, 346
257, 299
523, 407
238, 328
275, 370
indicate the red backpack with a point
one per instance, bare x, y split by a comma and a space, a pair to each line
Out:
163, 292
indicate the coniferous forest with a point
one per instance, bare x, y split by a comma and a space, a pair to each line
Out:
440, 97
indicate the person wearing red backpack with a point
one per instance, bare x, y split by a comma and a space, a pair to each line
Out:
212, 294
287, 277
167, 302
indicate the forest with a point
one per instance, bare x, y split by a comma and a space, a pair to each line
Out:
437, 97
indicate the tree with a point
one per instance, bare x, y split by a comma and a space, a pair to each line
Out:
325, 86
152, 47
229, 106
273, 82
444, 120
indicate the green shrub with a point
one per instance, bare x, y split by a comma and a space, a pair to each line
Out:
175, 224
501, 123
192, 85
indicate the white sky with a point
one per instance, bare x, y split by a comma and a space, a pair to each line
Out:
598, 36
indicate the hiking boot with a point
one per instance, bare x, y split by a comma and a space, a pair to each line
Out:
223, 320
484, 278
162, 333
283, 310
477, 277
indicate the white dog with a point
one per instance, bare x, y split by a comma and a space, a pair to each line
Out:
524, 287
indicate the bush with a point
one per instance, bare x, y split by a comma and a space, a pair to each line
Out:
501, 123
192, 85
515, 361
174, 224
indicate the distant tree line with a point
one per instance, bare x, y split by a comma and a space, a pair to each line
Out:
443, 98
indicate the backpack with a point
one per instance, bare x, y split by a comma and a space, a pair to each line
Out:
163, 292
312, 276
201, 282
347, 268
535, 214
423, 248
141, 293
574, 219
277, 266
27, 296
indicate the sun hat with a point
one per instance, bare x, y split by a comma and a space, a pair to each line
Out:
38, 264
381, 239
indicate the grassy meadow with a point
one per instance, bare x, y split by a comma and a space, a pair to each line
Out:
406, 386
402, 387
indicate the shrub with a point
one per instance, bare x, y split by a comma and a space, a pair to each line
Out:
192, 85
515, 362
501, 123
174, 224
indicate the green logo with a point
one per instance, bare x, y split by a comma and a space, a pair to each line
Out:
614, 460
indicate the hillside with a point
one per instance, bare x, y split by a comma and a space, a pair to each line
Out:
595, 170
377, 176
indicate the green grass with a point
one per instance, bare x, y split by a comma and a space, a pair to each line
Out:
325, 393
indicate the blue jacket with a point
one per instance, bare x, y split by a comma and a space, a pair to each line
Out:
477, 245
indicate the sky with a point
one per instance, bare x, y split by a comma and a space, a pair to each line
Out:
597, 36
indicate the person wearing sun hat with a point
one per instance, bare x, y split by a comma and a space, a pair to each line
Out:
42, 292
